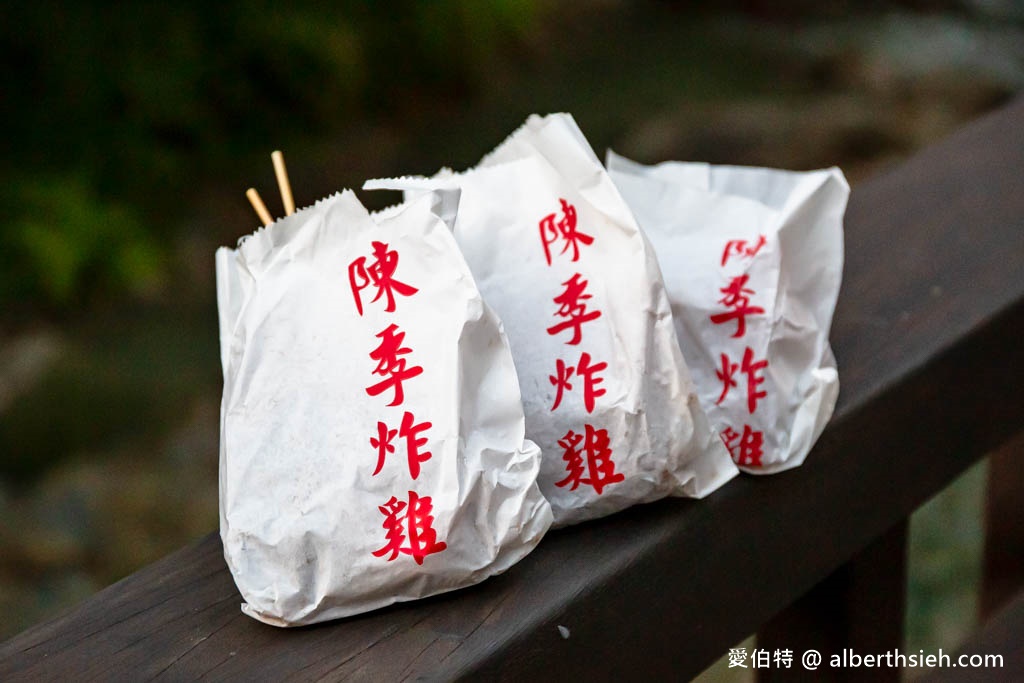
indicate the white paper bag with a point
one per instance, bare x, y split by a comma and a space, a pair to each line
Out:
606, 392
372, 435
752, 259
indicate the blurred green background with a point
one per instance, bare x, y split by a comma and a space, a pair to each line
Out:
132, 132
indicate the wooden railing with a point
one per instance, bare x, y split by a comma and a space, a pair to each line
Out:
929, 335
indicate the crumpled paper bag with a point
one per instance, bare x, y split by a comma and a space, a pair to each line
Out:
372, 436
752, 259
606, 392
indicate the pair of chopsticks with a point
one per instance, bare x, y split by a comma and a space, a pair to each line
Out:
282, 184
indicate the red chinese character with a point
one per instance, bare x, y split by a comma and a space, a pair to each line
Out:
596, 455
389, 364
736, 298
584, 370
747, 448
751, 369
564, 228
409, 432
726, 374
741, 248
588, 372
560, 380
414, 529
571, 305
382, 442
573, 459
380, 274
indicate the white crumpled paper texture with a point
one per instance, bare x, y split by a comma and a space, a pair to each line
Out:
782, 232
300, 507
660, 440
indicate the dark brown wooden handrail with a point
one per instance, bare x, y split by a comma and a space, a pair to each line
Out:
929, 335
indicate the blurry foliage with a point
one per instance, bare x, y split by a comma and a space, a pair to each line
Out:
116, 111
122, 379
63, 239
